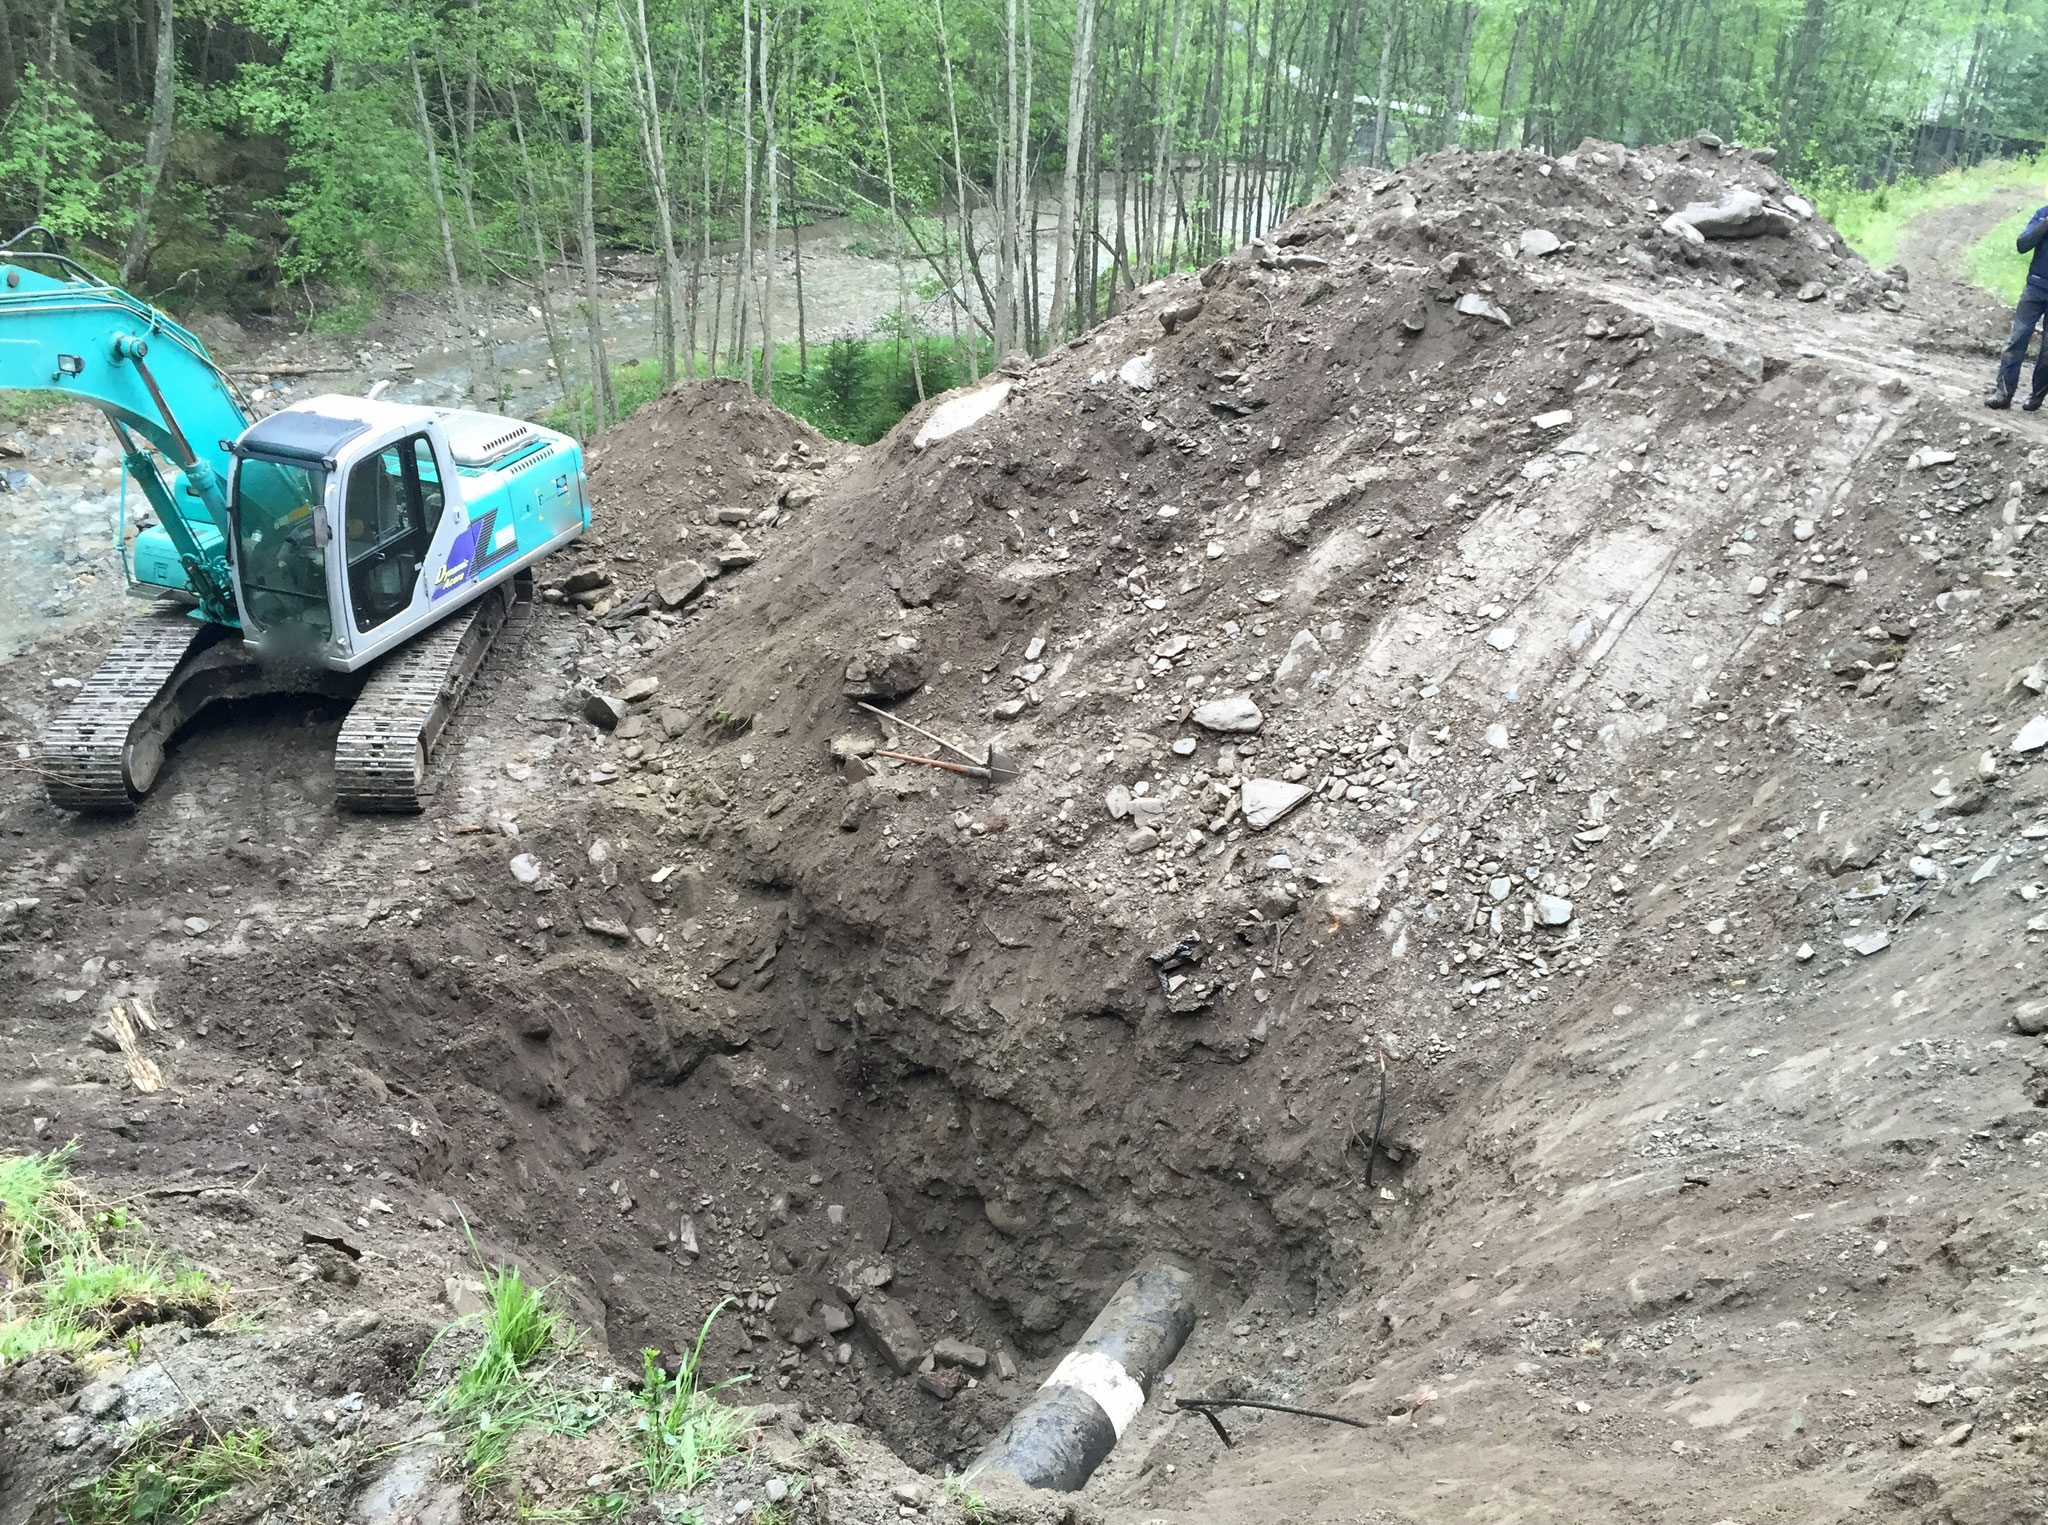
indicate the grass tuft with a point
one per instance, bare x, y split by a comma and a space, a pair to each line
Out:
684, 1431
66, 1281
163, 1479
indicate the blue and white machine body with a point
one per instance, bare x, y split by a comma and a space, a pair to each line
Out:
357, 524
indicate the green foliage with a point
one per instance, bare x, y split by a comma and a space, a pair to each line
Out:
963, 1497
1872, 218
858, 389
164, 1480
53, 158
1995, 264
683, 1430
66, 1280
41, 1218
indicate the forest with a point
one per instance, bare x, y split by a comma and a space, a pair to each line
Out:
1011, 164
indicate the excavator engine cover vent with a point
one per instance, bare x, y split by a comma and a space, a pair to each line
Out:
478, 439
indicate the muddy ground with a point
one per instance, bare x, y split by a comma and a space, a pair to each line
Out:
1574, 687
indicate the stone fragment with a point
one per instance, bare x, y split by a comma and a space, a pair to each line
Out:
1473, 305
892, 668
1502, 638
1236, 713
1813, 291
1266, 800
677, 583
2030, 1018
889, 1324
1300, 660
639, 690
1553, 910
604, 711
1537, 242
1742, 213
1497, 736
1138, 373
963, 412
951, 1352
1557, 418
1867, 943
525, 868
2033, 736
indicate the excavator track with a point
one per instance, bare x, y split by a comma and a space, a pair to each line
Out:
382, 758
102, 751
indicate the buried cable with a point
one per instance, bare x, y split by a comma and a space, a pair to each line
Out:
1207, 1407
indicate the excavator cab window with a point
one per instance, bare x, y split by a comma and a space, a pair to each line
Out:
283, 568
391, 510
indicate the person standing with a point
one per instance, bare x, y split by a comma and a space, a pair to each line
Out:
2033, 304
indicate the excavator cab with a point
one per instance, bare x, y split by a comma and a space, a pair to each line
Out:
356, 524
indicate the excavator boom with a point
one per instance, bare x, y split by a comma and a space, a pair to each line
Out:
63, 330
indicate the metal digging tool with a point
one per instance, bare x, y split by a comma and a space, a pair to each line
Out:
994, 766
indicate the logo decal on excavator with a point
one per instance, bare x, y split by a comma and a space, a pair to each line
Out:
474, 552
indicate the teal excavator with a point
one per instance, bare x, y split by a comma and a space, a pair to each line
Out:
349, 546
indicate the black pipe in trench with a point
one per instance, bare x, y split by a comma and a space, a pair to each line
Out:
1059, 1438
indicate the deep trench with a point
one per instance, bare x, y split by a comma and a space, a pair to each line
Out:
841, 1122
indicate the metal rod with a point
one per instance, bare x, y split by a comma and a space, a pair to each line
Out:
979, 762
971, 770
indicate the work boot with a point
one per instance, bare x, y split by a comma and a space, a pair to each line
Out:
2033, 403
1999, 398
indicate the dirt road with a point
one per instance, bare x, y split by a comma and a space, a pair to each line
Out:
1524, 878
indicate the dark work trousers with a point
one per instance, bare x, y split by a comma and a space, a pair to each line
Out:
2024, 319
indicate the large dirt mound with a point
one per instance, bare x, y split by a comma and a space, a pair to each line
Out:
1521, 875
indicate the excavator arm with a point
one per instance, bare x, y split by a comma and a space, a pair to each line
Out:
63, 330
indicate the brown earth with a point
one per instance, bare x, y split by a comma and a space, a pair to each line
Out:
1666, 865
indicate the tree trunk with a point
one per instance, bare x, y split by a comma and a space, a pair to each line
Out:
440, 200
162, 112
604, 404
1168, 117
895, 210
10, 66
774, 217
796, 233
556, 352
1079, 81
747, 189
1461, 65
1510, 79
653, 146
1379, 105
1346, 90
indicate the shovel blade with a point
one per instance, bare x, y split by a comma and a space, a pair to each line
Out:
1002, 767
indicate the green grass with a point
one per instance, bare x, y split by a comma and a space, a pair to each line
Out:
683, 1430
40, 1217
1872, 220
855, 389
26, 407
1995, 265
67, 1281
161, 1480
494, 1395
963, 1497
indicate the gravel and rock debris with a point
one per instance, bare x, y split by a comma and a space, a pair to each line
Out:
1523, 874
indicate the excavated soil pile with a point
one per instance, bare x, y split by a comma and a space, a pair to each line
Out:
1520, 874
